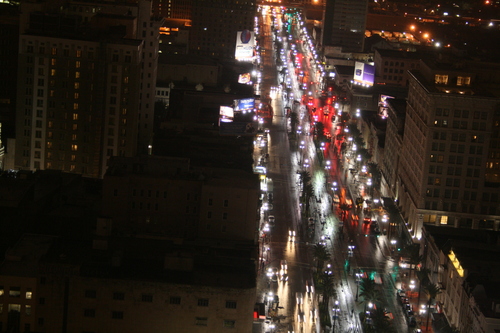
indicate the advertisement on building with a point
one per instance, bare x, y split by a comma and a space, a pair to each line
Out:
364, 74
382, 106
245, 78
226, 114
245, 104
245, 43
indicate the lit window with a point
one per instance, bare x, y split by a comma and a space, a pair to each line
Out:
441, 79
75, 116
77, 64
463, 81
52, 72
74, 147
75, 107
77, 75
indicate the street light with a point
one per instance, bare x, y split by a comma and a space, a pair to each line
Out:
335, 314
412, 286
358, 280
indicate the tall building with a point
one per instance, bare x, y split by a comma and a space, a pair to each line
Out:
87, 84
449, 164
344, 24
175, 9
215, 24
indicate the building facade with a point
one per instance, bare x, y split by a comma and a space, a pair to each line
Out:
215, 24
48, 284
88, 85
169, 197
449, 162
344, 24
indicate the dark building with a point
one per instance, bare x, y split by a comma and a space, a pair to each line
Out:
88, 84
344, 24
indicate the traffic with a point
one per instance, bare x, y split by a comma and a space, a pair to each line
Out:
325, 247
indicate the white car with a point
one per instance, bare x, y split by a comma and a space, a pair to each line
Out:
271, 220
300, 298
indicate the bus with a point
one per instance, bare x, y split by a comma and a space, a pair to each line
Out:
265, 112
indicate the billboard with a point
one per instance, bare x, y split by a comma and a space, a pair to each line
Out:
226, 114
382, 106
245, 43
245, 78
364, 74
245, 104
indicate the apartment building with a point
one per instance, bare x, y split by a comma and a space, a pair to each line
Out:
52, 284
464, 264
449, 163
392, 66
172, 198
344, 24
215, 25
87, 84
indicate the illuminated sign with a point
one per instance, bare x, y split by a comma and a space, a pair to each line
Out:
244, 78
245, 43
364, 74
382, 106
226, 114
244, 104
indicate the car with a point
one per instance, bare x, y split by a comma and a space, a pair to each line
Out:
404, 300
271, 220
412, 322
400, 293
367, 220
284, 266
267, 206
417, 330
300, 298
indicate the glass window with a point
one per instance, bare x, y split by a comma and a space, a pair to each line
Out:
203, 302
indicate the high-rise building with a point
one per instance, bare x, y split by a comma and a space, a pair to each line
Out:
344, 24
449, 164
215, 24
175, 9
86, 88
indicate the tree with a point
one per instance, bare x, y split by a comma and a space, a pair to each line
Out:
321, 254
432, 291
369, 291
374, 170
412, 251
365, 154
326, 285
381, 321
423, 280
305, 178
308, 193
294, 120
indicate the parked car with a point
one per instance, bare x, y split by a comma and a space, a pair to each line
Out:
271, 220
412, 322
